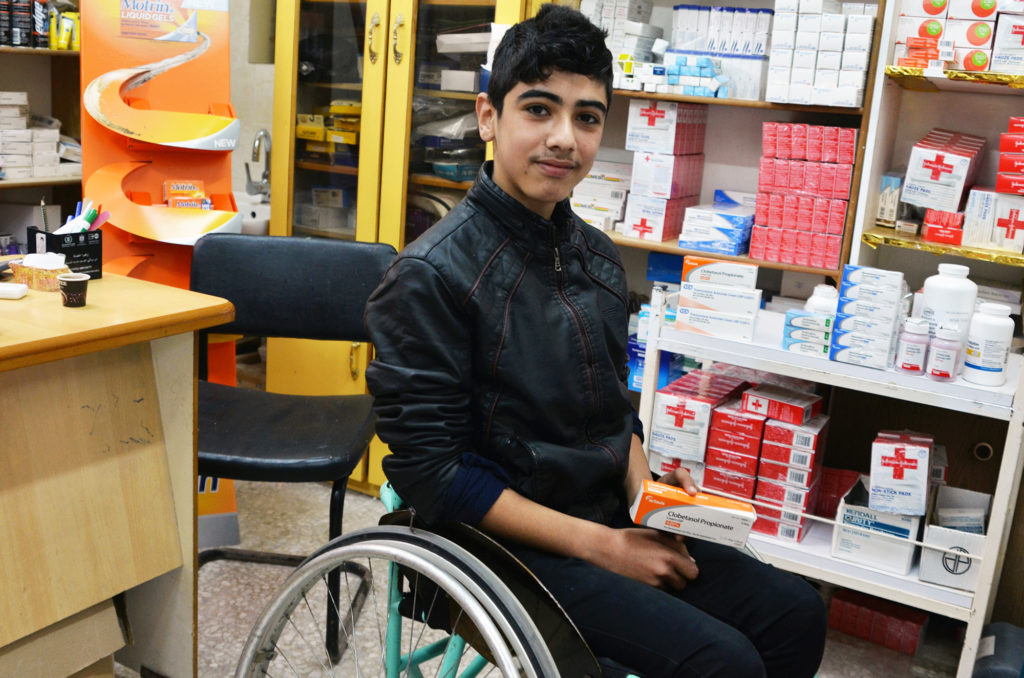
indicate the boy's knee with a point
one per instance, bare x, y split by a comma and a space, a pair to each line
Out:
728, 656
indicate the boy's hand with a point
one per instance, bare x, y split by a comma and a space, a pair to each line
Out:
648, 556
680, 477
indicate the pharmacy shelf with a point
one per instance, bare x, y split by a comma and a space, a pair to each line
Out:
739, 103
928, 80
439, 182
812, 557
350, 170
881, 235
764, 353
44, 181
34, 51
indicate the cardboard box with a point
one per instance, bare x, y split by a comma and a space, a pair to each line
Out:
725, 299
776, 402
731, 461
731, 418
660, 465
882, 545
942, 165
1008, 222
938, 567
781, 494
790, 456
733, 326
783, 473
734, 442
703, 516
729, 482
699, 269
656, 219
667, 176
665, 127
83, 252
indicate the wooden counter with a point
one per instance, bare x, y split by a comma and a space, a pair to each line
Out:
97, 463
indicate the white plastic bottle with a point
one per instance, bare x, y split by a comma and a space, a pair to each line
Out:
824, 299
988, 345
948, 298
944, 354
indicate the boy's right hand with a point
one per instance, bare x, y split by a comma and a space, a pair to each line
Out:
655, 558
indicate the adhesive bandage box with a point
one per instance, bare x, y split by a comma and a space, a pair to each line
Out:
729, 482
697, 269
790, 475
723, 298
731, 418
883, 540
900, 471
777, 402
660, 465
734, 442
1008, 222
788, 496
665, 127
942, 164
807, 436
790, 456
703, 516
731, 461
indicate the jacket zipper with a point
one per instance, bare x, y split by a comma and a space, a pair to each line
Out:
554, 245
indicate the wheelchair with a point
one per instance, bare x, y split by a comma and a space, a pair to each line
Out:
450, 603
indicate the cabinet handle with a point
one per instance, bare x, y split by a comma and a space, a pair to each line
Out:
374, 22
353, 363
399, 21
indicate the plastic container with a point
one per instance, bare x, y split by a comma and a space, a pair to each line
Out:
1006, 656
988, 345
912, 350
944, 353
948, 297
823, 299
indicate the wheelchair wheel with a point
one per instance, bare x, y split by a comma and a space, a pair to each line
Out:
402, 591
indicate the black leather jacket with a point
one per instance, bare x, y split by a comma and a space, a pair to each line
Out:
502, 335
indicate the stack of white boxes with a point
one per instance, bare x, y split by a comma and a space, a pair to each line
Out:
958, 33
820, 53
1007, 46
15, 136
668, 165
600, 199
619, 19
872, 305
808, 333
723, 305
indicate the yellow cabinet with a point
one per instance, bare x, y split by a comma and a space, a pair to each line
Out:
364, 147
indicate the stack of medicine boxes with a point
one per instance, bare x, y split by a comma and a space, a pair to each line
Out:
808, 333
718, 298
600, 199
819, 53
682, 418
1008, 216
872, 304
792, 448
668, 163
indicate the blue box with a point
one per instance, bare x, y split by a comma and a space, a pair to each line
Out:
671, 367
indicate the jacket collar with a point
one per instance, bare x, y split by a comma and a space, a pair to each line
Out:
520, 222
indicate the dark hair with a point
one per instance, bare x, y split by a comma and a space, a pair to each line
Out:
557, 39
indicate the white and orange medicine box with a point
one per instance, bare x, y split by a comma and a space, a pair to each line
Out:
703, 516
666, 127
778, 402
698, 269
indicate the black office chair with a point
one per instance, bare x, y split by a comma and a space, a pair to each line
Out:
286, 287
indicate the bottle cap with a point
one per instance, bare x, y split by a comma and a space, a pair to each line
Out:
917, 325
990, 308
956, 270
950, 332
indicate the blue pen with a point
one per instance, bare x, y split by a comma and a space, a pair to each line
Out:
78, 209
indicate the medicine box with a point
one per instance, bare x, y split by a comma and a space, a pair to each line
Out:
615, 172
900, 470
783, 473
729, 460
721, 298
955, 570
734, 326
666, 176
971, 10
678, 444
728, 482
777, 402
779, 524
83, 251
935, 9
665, 127
703, 516
883, 544
660, 465
942, 164
790, 456
808, 436
788, 496
731, 418
1008, 222
734, 442
697, 269
656, 219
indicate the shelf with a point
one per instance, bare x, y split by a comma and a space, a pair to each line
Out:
881, 235
812, 557
670, 247
442, 94
431, 180
299, 229
321, 167
765, 353
44, 181
925, 80
739, 103
346, 86
33, 51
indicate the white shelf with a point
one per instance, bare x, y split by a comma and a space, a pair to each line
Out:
766, 354
812, 557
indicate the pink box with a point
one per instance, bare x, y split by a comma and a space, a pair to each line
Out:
731, 417
836, 217
722, 480
772, 253
799, 144
796, 175
783, 140
785, 404
827, 182
758, 237
802, 258
804, 213
734, 442
756, 252
790, 456
790, 205
847, 145
829, 144
761, 207
822, 210
844, 177
781, 179
785, 495
769, 138
807, 436
803, 242
766, 175
727, 460
812, 178
776, 209
818, 244
831, 262
834, 246
787, 256
788, 243
783, 473
814, 141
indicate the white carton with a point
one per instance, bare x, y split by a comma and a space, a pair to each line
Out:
939, 567
900, 469
717, 519
1008, 222
714, 324
880, 547
661, 464
724, 298
979, 217
700, 269
671, 442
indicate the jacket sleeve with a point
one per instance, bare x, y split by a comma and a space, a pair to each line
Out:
421, 380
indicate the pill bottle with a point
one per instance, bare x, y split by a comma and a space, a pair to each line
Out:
913, 346
824, 299
944, 353
948, 297
988, 345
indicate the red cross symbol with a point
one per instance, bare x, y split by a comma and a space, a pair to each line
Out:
1018, 29
681, 414
1011, 224
643, 227
898, 462
653, 114
757, 405
938, 166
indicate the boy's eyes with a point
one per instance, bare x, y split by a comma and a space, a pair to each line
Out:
542, 110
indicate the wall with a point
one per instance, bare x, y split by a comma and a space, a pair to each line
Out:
252, 94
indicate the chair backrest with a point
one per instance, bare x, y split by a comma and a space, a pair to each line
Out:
302, 288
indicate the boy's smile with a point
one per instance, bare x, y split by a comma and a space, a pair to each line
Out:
546, 137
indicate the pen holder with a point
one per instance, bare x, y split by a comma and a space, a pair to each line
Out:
83, 252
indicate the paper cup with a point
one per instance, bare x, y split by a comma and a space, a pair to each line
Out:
73, 287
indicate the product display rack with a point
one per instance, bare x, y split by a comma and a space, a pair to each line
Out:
812, 556
882, 235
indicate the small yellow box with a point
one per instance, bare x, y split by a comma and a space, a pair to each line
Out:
342, 137
309, 126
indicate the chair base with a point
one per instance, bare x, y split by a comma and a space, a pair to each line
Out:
248, 556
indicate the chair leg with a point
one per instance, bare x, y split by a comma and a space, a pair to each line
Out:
334, 576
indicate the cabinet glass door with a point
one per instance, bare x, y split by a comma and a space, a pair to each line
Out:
333, 126
435, 152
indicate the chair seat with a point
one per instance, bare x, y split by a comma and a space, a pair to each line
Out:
246, 434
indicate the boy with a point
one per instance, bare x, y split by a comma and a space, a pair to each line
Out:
500, 386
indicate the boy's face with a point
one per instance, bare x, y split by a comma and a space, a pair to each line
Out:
546, 137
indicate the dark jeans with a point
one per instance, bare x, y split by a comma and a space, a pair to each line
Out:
740, 618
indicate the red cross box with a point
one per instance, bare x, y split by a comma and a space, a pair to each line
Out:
666, 127
656, 219
900, 470
1008, 222
941, 167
